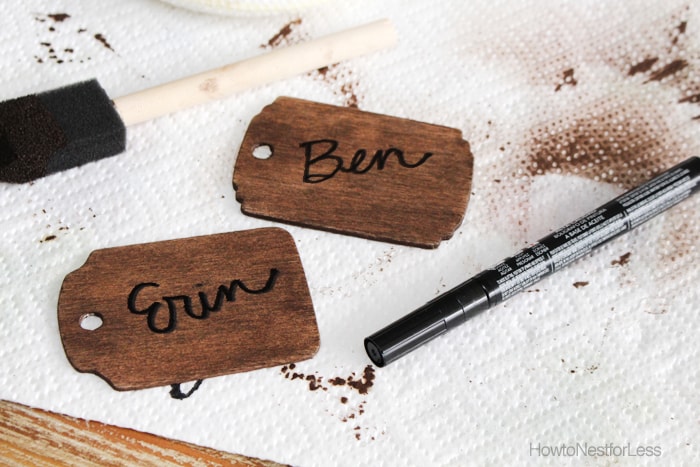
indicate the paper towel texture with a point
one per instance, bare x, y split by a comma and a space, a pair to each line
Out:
565, 105
245, 7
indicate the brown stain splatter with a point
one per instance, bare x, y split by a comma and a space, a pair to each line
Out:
693, 99
342, 81
627, 135
48, 238
620, 139
316, 382
66, 54
611, 141
58, 17
362, 386
567, 79
668, 58
103, 40
679, 32
622, 260
580, 284
682, 27
669, 70
348, 91
283, 35
337, 381
643, 66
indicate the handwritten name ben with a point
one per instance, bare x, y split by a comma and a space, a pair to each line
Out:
225, 293
321, 162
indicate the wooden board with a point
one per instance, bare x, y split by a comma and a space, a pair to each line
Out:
183, 310
32, 437
353, 172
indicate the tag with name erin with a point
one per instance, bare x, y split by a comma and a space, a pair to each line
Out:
175, 311
353, 172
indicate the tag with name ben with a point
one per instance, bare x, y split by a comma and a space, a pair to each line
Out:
353, 172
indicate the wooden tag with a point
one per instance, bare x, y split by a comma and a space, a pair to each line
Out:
353, 172
182, 310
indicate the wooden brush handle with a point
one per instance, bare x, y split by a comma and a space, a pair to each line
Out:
275, 65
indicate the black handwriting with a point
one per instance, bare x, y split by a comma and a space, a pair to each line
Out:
335, 164
223, 293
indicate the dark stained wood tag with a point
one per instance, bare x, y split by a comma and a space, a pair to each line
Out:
182, 310
354, 172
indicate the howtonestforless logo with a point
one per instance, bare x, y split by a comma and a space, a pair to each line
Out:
598, 450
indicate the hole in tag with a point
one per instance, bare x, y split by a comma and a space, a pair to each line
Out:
262, 151
91, 321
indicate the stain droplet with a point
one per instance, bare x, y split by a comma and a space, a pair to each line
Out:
103, 40
362, 386
643, 66
668, 70
568, 79
694, 99
580, 284
59, 17
622, 260
337, 381
348, 91
342, 81
283, 34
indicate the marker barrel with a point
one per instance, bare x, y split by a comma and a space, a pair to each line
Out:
531, 264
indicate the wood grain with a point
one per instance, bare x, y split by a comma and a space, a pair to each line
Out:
33, 437
188, 309
353, 172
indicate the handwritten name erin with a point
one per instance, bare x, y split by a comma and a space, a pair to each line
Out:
172, 303
322, 163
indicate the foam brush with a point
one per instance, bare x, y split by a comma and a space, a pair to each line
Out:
56, 130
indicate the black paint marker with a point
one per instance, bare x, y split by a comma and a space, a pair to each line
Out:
546, 256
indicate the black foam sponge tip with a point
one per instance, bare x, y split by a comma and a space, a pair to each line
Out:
56, 130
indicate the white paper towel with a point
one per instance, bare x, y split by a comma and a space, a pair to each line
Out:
603, 355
